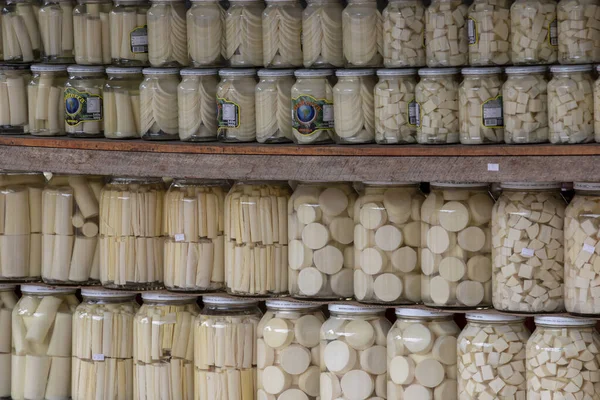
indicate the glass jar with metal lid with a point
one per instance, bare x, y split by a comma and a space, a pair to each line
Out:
322, 35
363, 34
404, 34
446, 37
122, 103
236, 106
273, 96
21, 39
244, 33
91, 31
488, 29
46, 106
577, 24
533, 32
353, 106
282, 34
13, 99
205, 34
159, 111
83, 98
129, 33
55, 18
196, 96
167, 34
8, 300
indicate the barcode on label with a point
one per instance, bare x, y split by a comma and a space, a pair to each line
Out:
527, 252
493, 167
179, 237
588, 248
98, 357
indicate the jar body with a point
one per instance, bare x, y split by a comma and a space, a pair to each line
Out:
122, 106
437, 99
14, 101
312, 111
45, 106
362, 28
322, 36
480, 109
244, 34
21, 39
282, 34
159, 107
489, 32
354, 110
236, 109
533, 32
91, 31
205, 33
55, 20
88, 121
396, 110
446, 40
8, 300
574, 18
167, 34
273, 95
129, 34
525, 121
196, 100
404, 34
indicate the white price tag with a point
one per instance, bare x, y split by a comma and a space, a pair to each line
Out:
527, 252
98, 357
588, 248
179, 237
493, 167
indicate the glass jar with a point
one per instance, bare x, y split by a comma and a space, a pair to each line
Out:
256, 238
480, 106
158, 96
282, 48
525, 105
83, 98
353, 352
167, 34
244, 33
321, 233
387, 238
13, 99
446, 38
273, 96
362, 28
194, 248
205, 33
288, 346
353, 95
527, 247
533, 32
55, 18
45, 100
225, 351
8, 300
456, 245
91, 30
404, 34
577, 29
488, 29
437, 106
491, 357
129, 33
395, 106
322, 35
236, 107
41, 343
21, 40
131, 233
122, 103
571, 104
196, 96
312, 107
103, 345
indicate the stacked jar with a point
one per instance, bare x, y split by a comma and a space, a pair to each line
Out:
446, 39
167, 34
13, 98
533, 32
205, 33
362, 34
159, 114
404, 34
395, 106
45, 98
489, 30
236, 107
122, 103
243, 45
84, 110
8, 300
273, 96
353, 106
91, 32
322, 37
282, 34
129, 33
196, 96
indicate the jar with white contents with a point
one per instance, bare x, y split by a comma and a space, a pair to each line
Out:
129, 33
446, 38
122, 103
404, 34
8, 300
205, 33
273, 96
46, 106
167, 34
91, 31
21, 39
83, 102
578, 22
322, 35
236, 105
55, 18
362, 28
244, 33
312, 107
196, 96
353, 106
282, 34
488, 29
14, 101
159, 108
533, 32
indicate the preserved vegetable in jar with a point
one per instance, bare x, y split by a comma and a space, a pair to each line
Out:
8, 300
488, 29
129, 33
167, 34
273, 95
404, 34
196, 96
91, 31
244, 33
46, 106
55, 18
362, 28
353, 106
282, 34
312, 107
21, 39
533, 32
322, 37
446, 39
159, 111
83, 102
236, 107
122, 103
205, 22
578, 30
14, 103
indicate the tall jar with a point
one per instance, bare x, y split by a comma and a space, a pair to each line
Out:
41, 343
225, 350
282, 34
195, 226
421, 355
322, 37
354, 107
91, 31
159, 109
288, 347
480, 106
8, 300
404, 34
488, 29
256, 238
571, 104
456, 245
103, 345
21, 39
525, 105
362, 28
527, 248
163, 351
353, 353
196, 96
243, 45
83, 98
236, 107
273, 96
55, 18
437, 106
312, 107
533, 32
578, 25
387, 238
167, 34
491, 357
321, 234
131, 233
205, 25
46, 107
13, 99
129, 33
122, 103
446, 38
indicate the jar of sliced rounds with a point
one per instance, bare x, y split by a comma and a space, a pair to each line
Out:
456, 245
273, 96
488, 28
528, 253
353, 106
129, 33
167, 34
46, 106
321, 233
387, 238
159, 111
236, 107
122, 103
282, 34
288, 355
131, 233
363, 34
404, 34
55, 18
446, 38
21, 39
244, 33
103, 345
14, 101
196, 96
322, 35
91, 32
8, 300
578, 24
571, 104
225, 350
205, 33
195, 224
395, 106
533, 32
83, 98
525, 105
41, 343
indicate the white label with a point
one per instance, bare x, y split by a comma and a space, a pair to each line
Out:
98, 357
493, 167
527, 252
179, 237
327, 113
588, 248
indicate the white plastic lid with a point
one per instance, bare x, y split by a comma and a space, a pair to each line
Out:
530, 185
48, 68
227, 300
563, 321
348, 308
438, 71
46, 289
460, 184
276, 72
355, 72
7, 286
417, 312
313, 73
481, 71
160, 71
536, 69
572, 68
198, 72
154, 296
106, 293
397, 72
86, 68
292, 305
493, 317
586, 186
237, 72
124, 70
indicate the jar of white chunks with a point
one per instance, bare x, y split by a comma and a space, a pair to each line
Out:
446, 38
578, 30
488, 28
533, 32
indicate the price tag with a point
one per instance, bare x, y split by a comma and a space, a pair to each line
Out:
493, 167
588, 248
98, 357
527, 252
179, 237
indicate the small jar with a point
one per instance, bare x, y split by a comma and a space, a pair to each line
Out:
525, 105
122, 103
446, 38
421, 355
533, 32
225, 351
129, 33
8, 300
404, 34
46, 106
488, 29
312, 107
456, 245
527, 248
288, 346
21, 39
13, 99
205, 33
354, 107
83, 98
243, 45
321, 233
353, 353
282, 34
194, 248
55, 18
103, 345
395, 106
167, 34
131, 233
491, 357
577, 31
158, 104
196, 96
387, 239
91, 30
480, 106
437, 106
273, 96
236, 107
322, 35
363, 34
41, 343
571, 104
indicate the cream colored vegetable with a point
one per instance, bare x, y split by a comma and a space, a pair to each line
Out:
13, 100
322, 36
353, 107
236, 117
446, 34
196, 105
8, 300
282, 34
312, 90
273, 95
167, 34
404, 34
437, 99
45, 103
533, 32
91, 31
362, 27
129, 33
56, 30
244, 33
489, 31
159, 111
578, 30
21, 39
395, 107
205, 22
